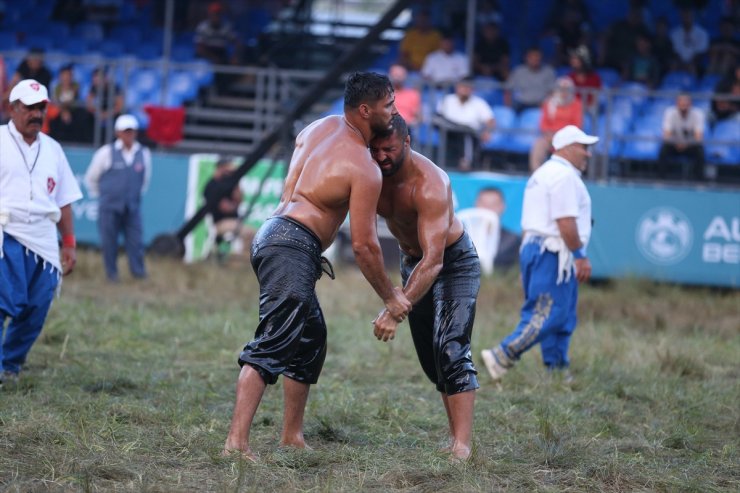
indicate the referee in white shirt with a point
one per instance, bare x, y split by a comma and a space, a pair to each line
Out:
556, 220
37, 187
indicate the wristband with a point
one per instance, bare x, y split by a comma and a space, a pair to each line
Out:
69, 241
579, 254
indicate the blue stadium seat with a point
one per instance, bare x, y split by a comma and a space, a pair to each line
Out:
644, 143
427, 134
678, 81
635, 92
202, 71
75, 46
92, 32
57, 30
609, 77
505, 119
183, 84
183, 53
529, 118
129, 34
708, 82
111, 48
727, 151
144, 80
618, 127
655, 108
8, 40
524, 132
148, 51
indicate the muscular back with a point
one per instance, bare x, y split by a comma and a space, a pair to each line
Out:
330, 164
418, 208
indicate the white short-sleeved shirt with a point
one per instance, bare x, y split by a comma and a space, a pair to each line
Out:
31, 199
440, 66
683, 128
474, 112
556, 190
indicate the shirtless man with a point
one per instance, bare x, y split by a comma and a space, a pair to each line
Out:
441, 275
331, 173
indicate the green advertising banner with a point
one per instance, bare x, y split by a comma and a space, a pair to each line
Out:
256, 182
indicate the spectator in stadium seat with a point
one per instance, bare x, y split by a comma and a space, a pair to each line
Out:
472, 122
561, 108
663, 46
728, 86
408, 99
507, 255
690, 42
488, 12
68, 125
420, 40
491, 54
445, 65
98, 102
556, 220
223, 201
441, 276
644, 67
586, 80
618, 42
215, 39
570, 28
683, 135
529, 83
32, 67
118, 176
724, 50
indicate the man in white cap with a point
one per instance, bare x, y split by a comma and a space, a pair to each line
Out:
118, 175
37, 188
556, 221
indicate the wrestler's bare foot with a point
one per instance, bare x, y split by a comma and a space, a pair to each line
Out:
294, 441
238, 453
459, 453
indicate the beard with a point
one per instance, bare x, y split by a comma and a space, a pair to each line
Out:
395, 165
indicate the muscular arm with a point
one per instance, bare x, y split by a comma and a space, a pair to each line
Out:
432, 226
66, 227
365, 245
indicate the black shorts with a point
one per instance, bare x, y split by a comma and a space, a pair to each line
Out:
291, 335
442, 321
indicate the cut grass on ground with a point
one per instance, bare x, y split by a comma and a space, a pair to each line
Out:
131, 387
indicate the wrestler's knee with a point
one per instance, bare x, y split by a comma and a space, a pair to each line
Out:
266, 376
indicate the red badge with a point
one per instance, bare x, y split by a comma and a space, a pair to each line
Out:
50, 184
35, 86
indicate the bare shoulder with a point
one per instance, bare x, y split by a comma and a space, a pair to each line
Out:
431, 176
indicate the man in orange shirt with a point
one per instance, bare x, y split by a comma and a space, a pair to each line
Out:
408, 99
560, 109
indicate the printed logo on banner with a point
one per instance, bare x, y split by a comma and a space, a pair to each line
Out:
664, 235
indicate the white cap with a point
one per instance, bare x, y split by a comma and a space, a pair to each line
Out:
571, 134
126, 122
30, 92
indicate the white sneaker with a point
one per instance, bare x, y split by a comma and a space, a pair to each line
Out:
492, 365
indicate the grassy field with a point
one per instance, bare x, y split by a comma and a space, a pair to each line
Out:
130, 388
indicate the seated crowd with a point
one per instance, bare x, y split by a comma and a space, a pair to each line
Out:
651, 71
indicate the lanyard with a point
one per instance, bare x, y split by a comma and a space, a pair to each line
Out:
33, 166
